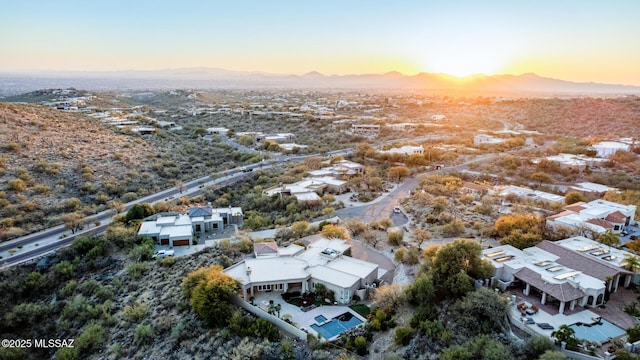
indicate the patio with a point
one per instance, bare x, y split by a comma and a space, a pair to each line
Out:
301, 319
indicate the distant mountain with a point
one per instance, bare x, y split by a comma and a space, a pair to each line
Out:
215, 78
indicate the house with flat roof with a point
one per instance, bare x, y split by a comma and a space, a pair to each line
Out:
404, 150
597, 216
589, 188
573, 271
295, 268
527, 193
175, 229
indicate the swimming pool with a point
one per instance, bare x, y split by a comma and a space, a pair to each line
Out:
320, 319
337, 325
597, 331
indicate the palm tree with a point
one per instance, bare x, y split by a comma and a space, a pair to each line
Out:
609, 238
278, 308
631, 262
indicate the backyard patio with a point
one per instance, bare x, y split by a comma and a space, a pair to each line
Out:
303, 317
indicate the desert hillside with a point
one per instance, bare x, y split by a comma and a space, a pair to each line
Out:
54, 162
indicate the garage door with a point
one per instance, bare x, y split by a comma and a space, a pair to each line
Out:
181, 242
164, 242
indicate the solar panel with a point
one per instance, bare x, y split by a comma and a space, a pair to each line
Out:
504, 258
555, 268
494, 254
542, 263
566, 275
588, 247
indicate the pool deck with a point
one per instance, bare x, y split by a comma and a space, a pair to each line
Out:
304, 320
548, 313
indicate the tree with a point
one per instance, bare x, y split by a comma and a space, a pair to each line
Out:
371, 238
331, 231
526, 223
480, 312
609, 238
73, 221
573, 197
537, 345
139, 211
631, 262
420, 236
355, 226
566, 334
521, 240
390, 297
209, 291
300, 229
398, 172
541, 177
455, 265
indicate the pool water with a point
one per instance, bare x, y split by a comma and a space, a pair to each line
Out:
320, 319
599, 332
337, 325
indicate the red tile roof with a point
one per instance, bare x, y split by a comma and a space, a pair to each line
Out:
616, 217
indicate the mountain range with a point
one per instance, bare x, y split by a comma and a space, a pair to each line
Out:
215, 78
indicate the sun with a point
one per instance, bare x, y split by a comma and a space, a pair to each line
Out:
463, 62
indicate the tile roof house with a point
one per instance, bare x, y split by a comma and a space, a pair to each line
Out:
597, 216
573, 271
295, 268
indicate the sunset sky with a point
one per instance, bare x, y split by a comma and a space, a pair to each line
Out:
573, 40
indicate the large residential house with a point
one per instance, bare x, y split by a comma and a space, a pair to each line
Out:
330, 179
404, 150
175, 229
597, 216
295, 268
527, 193
573, 271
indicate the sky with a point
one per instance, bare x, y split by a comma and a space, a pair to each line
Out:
573, 40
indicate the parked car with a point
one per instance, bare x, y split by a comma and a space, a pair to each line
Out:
162, 254
396, 209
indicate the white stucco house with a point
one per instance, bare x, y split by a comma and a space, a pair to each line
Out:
569, 272
597, 216
295, 268
176, 229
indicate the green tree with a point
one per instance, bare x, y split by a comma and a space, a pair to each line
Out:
455, 266
480, 312
209, 292
139, 211
566, 334
631, 262
537, 345
609, 238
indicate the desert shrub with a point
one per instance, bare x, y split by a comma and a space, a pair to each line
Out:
136, 269
64, 269
395, 237
403, 336
135, 313
35, 281
143, 334
26, 315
